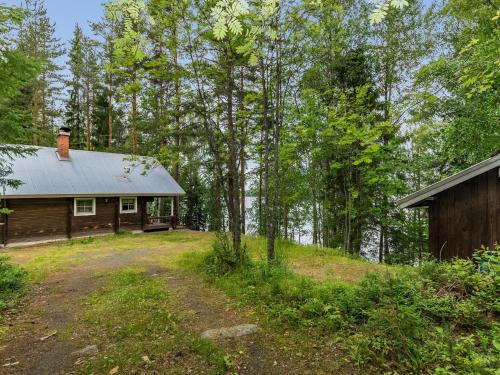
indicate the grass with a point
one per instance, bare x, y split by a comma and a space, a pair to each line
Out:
164, 247
316, 262
133, 315
438, 318
12, 285
168, 248
131, 320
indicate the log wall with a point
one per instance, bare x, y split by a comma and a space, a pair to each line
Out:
46, 219
464, 217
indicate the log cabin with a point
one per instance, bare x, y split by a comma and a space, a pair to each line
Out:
73, 193
463, 209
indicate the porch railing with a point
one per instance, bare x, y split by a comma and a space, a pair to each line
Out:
163, 220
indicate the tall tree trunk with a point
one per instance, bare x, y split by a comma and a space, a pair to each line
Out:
381, 245
267, 161
260, 196
233, 167
110, 113
87, 115
44, 114
242, 155
133, 130
315, 218
285, 221
177, 167
35, 116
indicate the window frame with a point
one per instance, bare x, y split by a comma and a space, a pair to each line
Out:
134, 211
75, 207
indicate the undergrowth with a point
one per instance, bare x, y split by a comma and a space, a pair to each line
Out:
12, 283
438, 318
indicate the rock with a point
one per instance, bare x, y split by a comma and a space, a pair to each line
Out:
87, 351
225, 332
146, 359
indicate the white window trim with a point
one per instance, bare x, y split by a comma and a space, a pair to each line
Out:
76, 213
134, 211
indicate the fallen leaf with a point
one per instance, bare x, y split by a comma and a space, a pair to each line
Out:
114, 370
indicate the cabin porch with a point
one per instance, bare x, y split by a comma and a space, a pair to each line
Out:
157, 218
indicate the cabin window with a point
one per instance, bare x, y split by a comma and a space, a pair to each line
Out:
128, 205
84, 206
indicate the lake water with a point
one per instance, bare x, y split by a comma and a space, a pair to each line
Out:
305, 237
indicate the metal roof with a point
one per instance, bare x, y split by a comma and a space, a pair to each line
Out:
426, 194
89, 173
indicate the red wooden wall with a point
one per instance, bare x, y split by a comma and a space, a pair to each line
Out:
465, 217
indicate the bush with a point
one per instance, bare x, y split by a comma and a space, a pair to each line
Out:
437, 318
223, 259
12, 283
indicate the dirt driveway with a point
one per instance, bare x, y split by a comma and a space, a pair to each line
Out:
47, 329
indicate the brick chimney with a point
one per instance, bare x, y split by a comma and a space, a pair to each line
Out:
63, 143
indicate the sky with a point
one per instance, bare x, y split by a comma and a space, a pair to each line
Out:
67, 13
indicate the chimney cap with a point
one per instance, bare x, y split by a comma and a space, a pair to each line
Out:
64, 130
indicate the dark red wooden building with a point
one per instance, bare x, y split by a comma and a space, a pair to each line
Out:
73, 193
464, 210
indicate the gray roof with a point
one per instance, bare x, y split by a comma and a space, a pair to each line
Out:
425, 195
89, 173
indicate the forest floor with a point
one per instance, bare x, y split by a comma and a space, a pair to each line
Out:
125, 305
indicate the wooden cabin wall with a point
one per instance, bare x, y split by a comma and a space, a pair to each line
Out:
463, 218
3, 227
47, 219
37, 219
136, 220
102, 222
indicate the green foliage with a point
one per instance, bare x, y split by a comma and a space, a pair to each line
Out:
379, 13
12, 283
223, 259
439, 317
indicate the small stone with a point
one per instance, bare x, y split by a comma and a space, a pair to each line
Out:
146, 359
87, 351
226, 332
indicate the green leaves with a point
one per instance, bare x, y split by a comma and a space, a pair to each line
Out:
227, 14
235, 20
381, 8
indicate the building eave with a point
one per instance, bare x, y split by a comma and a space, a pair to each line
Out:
424, 196
104, 195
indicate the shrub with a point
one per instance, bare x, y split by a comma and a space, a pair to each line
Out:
223, 258
439, 317
12, 283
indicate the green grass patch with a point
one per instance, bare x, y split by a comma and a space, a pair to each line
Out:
165, 247
131, 317
314, 261
438, 318
12, 283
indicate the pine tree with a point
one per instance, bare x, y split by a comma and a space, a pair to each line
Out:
37, 40
74, 115
129, 54
17, 70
